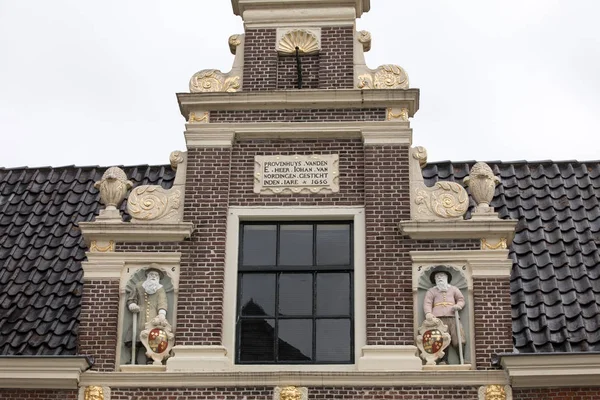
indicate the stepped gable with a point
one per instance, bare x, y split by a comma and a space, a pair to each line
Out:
41, 249
555, 280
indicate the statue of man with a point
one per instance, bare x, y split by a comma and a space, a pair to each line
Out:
441, 301
148, 300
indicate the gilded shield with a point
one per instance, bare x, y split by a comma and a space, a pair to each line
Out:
158, 340
433, 341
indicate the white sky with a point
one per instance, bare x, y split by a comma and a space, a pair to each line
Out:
94, 82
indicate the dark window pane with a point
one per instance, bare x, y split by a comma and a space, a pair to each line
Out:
333, 294
333, 244
259, 244
295, 245
333, 340
295, 294
295, 340
257, 340
258, 294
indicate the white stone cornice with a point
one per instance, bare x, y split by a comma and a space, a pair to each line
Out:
47, 372
482, 263
459, 229
135, 232
299, 99
552, 370
110, 265
371, 132
313, 379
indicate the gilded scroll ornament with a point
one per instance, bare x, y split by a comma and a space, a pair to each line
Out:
234, 42
290, 393
482, 183
402, 115
364, 38
495, 392
194, 118
153, 203
95, 247
306, 41
213, 80
385, 77
501, 245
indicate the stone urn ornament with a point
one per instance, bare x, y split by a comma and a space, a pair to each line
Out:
482, 184
113, 187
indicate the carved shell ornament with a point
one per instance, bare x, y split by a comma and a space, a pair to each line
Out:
307, 42
213, 80
385, 77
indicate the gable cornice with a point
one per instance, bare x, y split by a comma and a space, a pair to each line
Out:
42, 372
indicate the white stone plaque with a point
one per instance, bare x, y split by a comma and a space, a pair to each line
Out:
296, 174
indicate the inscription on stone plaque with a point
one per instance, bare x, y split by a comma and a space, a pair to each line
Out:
296, 174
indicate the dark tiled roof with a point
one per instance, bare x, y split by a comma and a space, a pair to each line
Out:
41, 250
555, 280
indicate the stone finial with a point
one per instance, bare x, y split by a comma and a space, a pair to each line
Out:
113, 187
482, 183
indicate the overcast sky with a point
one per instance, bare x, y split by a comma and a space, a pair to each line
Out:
94, 82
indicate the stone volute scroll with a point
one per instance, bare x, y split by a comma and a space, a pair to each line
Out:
442, 201
113, 187
153, 203
442, 312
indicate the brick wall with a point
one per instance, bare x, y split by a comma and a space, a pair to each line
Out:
320, 393
337, 58
557, 394
307, 115
287, 72
40, 394
493, 320
98, 327
332, 68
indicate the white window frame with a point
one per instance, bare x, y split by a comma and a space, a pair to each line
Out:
236, 215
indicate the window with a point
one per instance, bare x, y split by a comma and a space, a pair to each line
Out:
295, 302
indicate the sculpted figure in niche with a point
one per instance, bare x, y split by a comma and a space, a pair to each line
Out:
442, 301
146, 300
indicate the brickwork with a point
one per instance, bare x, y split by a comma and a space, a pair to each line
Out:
98, 327
493, 320
557, 394
320, 393
40, 394
328, 115
260, 60
287, 72
337, 58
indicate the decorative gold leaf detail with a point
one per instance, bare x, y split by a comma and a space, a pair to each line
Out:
213, 80
307, 42
402, 115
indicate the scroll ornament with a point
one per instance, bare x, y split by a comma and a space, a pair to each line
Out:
154, 203
234, 42
364, 38
385, 77
175, 158
432, 340
158, 339
447, 200
113, 187
482, 183
213, 80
